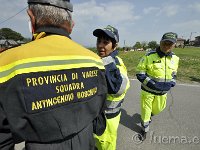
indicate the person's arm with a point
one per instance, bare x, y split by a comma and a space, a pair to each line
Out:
6, 141
125, 80
142, 75
174, 73
113, 76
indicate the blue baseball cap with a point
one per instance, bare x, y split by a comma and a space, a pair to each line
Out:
109, 31
169, 36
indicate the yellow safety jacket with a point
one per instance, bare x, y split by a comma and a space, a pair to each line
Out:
117, 81
51, 89
157, 71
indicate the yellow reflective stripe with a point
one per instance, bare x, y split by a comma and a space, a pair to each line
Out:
146, 80
24, 66
113, 104
140, 72
48, 58
160, 79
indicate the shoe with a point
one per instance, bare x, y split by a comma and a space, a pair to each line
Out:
150, 120
142, 135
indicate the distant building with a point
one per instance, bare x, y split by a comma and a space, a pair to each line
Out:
5, 44
197, 41
180, 43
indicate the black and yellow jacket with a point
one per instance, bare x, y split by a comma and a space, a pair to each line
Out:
51, 89
157, 71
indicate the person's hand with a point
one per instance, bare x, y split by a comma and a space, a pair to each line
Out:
173, 83
151, 84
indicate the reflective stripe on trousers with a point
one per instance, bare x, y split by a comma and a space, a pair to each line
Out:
113, 106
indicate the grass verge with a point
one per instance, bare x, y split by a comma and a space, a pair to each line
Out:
189, 64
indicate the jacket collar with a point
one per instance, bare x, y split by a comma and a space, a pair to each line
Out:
49, 30
114, 53
161, 54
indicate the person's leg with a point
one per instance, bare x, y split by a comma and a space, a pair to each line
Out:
107, 141
159, 104
146, 109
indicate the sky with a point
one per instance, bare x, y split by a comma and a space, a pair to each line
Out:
136, 20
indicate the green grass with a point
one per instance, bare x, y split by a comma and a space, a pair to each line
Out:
189, 64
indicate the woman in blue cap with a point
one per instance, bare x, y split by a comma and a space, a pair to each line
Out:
117, 82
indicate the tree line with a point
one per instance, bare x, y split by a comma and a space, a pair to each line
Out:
7, 33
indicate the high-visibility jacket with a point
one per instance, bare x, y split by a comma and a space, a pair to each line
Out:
157, 71
117, 81
118, 84
51, 90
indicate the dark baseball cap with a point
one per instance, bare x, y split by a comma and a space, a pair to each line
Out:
169, 36
109, 31
65, 4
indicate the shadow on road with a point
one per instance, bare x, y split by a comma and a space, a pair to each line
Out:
130, 122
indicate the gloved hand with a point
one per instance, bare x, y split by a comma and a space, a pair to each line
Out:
173, 83
99, 124
151, 84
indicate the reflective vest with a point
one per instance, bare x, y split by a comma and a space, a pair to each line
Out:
157, 71
114, 101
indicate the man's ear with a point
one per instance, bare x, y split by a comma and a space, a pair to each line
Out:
68, 26
32, 19
72, 26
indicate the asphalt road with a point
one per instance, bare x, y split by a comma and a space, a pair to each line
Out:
176, 128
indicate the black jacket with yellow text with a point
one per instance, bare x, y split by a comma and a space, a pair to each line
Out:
51, 90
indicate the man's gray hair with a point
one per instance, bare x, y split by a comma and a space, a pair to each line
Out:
50, 15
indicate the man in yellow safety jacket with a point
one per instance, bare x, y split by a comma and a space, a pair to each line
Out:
117, 82
52, 89
157, 72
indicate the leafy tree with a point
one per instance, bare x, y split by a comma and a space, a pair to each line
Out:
93, 49
26, 40
153, 44
187, 42
144, 45
120, 48
8, 33
137, 45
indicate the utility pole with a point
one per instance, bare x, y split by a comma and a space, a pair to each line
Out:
191, 35
190, 43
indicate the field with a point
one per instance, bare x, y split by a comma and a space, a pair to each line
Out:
189, 64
